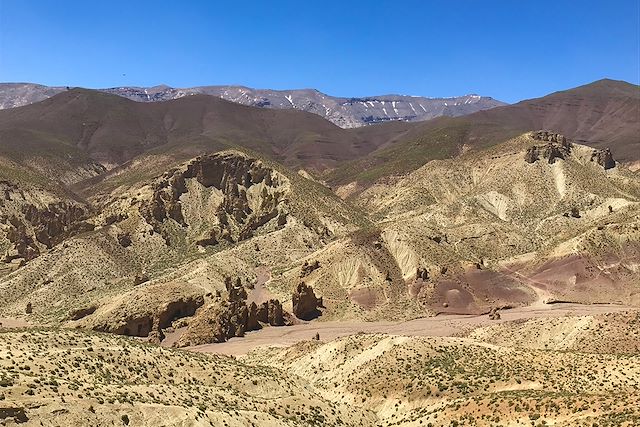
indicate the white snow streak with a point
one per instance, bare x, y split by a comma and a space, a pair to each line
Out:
288, 97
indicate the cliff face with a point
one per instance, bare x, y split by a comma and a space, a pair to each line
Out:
225, 318
240, 194
32, 221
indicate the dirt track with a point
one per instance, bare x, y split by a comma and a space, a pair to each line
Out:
6, 322
443, 325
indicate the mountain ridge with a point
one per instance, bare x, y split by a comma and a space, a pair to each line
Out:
346, 112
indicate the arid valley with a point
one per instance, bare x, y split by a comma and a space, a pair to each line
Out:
264, 253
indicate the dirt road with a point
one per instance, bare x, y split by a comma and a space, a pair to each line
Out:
6, 322
443, 325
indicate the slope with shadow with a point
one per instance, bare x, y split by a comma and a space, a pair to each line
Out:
603, 114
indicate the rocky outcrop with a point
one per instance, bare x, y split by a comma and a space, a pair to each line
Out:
232, 174
305, 303
143, 312
309, 268
56, 222
38, 227
558, 147
494, 314
151, 324
24, 246
604, 158
124, 240
545, 135
229, 317
13, 415
82, 312
422, 273
140, 279
271, 313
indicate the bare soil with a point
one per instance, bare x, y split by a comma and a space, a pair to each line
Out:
442, 325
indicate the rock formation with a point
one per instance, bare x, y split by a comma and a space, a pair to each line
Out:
13, 415
557, 147
494, 314
143, 312
82, 312
124, 240
422, 273
271, 313
305, 302
230, 317
44, 226
24, 245
232, 174
544, 135
308, 268
604, 158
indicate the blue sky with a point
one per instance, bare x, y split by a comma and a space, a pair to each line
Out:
510, 50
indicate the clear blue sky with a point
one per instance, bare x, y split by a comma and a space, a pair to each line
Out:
510, 50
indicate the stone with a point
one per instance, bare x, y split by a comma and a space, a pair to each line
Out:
235, 292
124, 240
422, 273
16, 414
557, 147
233, 175
82, 312
309, 268
140, 278
604, 158
271, 313
305, 303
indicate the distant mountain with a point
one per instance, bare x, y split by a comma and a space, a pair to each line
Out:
344, 112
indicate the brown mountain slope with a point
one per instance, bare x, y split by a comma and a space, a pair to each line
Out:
112, 130
87, 127
602, 114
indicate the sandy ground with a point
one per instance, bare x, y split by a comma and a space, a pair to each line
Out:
260, 293
6, 322
443, 325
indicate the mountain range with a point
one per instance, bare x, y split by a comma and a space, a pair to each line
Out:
198, 222
344, 112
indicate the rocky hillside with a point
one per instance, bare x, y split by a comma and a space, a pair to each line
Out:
412, 381
538, 213
537, 219
344, 112
132, 217
141, 254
